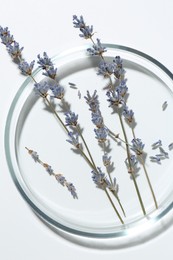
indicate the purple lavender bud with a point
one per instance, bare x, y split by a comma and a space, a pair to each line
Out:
101, 134
14, 50
41, 88
128, 114
137, 146
58, 91
72, 189
74, 139
26, 68
71, 119
99, 178
92, 101
97, 49
44, 62
50, 72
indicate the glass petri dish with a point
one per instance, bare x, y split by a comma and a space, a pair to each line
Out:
31, 124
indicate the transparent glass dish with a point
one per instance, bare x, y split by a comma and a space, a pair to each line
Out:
30, 124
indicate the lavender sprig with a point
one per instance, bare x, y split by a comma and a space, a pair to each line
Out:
86, 31
15, 51
59, 177
97, 49
44, 62
101, 135
115, 99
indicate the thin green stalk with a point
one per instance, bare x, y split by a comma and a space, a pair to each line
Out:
149, 183
117, 136
114, 193
131, 171
86, 146
114, 206
146, 173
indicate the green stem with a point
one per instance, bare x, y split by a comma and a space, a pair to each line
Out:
149, 183
114, 206
121, 206
146, 173
114, 193
131, 170
86, 146
117, 136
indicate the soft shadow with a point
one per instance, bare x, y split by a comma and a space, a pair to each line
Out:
111, 244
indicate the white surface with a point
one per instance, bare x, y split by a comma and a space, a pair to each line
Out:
47, 25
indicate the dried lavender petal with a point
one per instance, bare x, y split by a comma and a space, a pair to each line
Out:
164, 106
170, 146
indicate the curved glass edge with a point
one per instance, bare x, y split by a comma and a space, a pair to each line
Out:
46, 218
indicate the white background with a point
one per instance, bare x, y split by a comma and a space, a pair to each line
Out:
39, 25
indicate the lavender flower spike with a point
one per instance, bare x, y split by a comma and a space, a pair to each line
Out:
59, 177
26, 68
15, 50
105, 69
71, 119
44, 62
97, 119
113, 186
101, 134
58, 91
99, 178
78, 22
106, 160
122, 88
128, 114
92, 101
97, 49
51, 72
41, 89
6, 38
115, 99
34, 155
86, 31
74, 139
48, 168
132, 168
137, 146
72, 190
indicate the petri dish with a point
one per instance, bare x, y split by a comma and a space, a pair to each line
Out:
30, 123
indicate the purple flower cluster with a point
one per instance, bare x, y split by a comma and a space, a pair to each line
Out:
46, 64
71, 119
86, 31
99, 179
137, 146
73, 139
50, 71
58, 91
132, 164
101, 131
15, 51
115, 68
59, 177
41, 89
97, 49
